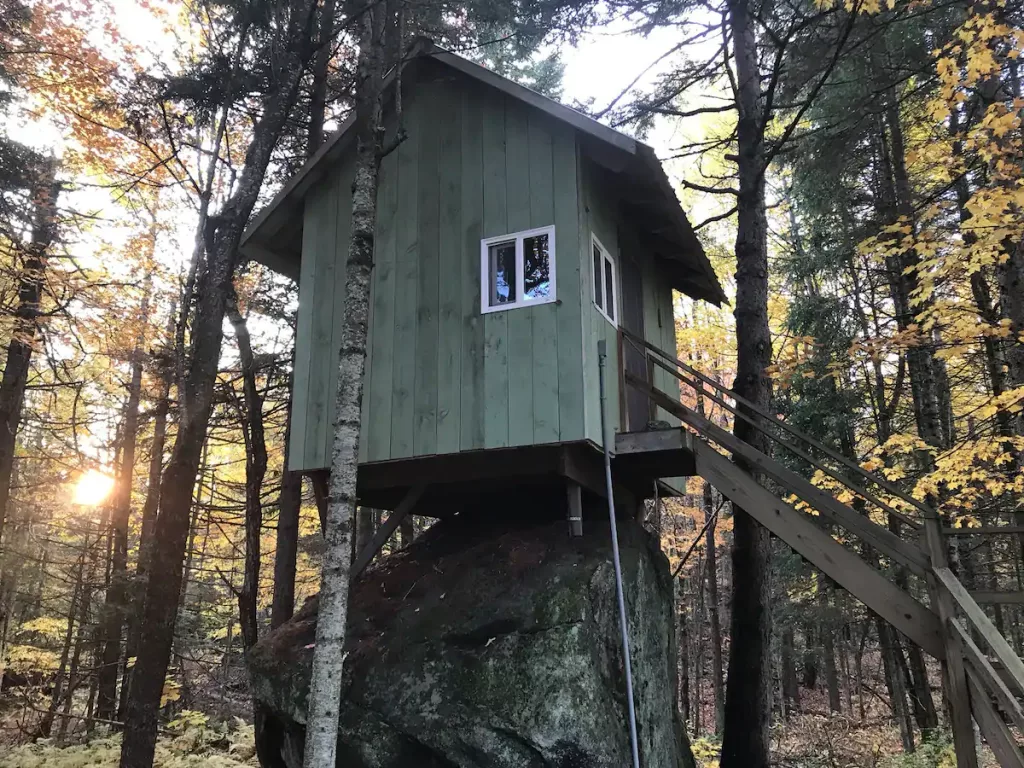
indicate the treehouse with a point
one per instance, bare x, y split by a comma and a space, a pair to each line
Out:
512, 235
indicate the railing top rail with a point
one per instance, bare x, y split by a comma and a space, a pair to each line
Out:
796, 451
988, 631
834, 455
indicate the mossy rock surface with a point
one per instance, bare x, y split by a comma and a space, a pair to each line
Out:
490, 646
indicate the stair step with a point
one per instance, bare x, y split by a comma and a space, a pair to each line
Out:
984, 530
1002, 598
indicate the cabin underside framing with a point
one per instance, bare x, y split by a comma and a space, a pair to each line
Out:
472, 479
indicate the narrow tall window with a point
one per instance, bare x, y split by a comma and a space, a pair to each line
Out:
605, 279
517, 270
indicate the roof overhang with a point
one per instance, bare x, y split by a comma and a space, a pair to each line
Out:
274, 236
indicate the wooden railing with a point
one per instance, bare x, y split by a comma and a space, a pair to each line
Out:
983, 676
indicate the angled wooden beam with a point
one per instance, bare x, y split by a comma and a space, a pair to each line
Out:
985, 675
985, 530
1003, 652
815, 545
389, 527
995, 731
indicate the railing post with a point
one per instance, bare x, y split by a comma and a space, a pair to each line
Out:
955, 676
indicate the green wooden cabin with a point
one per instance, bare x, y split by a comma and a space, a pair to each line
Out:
512, 234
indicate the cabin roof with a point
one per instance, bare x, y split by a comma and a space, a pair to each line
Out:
648, 198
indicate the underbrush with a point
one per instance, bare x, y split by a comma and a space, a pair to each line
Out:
189, 742
817, 741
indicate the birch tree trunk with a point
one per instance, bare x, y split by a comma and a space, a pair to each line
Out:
329, 655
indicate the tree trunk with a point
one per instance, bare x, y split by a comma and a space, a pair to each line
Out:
26, 326
717, 668
790, 689
318, 96
289, 505
684, 657
406, 531
255, 471
149, 511
364, 528
116, 603
809, 662
828, 646
222, 236
894, 683
74, 677
748, 695
60, 679
328, 656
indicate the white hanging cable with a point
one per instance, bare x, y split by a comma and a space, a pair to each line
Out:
602, 354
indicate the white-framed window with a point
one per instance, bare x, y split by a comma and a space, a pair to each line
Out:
517, 270
606, 281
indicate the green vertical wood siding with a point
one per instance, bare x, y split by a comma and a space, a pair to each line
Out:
600, 215
442, 377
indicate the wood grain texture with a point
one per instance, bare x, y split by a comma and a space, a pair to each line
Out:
495, 223
428, 222
451, 272
471, 425
407, 270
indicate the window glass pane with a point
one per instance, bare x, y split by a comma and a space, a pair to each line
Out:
536, 268
609, 288
598, 282
502, 257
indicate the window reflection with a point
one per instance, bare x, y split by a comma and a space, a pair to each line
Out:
536, 267
503, 273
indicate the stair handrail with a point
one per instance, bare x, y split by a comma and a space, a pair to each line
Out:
834, 455
864, 492
989, 678
983, 624
880, 537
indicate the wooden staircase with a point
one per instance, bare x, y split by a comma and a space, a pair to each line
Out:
983, 678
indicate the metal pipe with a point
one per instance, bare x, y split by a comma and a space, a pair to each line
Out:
602, 355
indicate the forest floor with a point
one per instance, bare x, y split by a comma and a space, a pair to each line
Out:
192, 745
805, 741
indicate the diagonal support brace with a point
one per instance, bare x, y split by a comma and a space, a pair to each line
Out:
405, 506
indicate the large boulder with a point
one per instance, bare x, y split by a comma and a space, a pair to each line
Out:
489, 646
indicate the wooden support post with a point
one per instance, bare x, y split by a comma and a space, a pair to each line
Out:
320, 478
956, 684
384, 532
998, 735
575, 507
